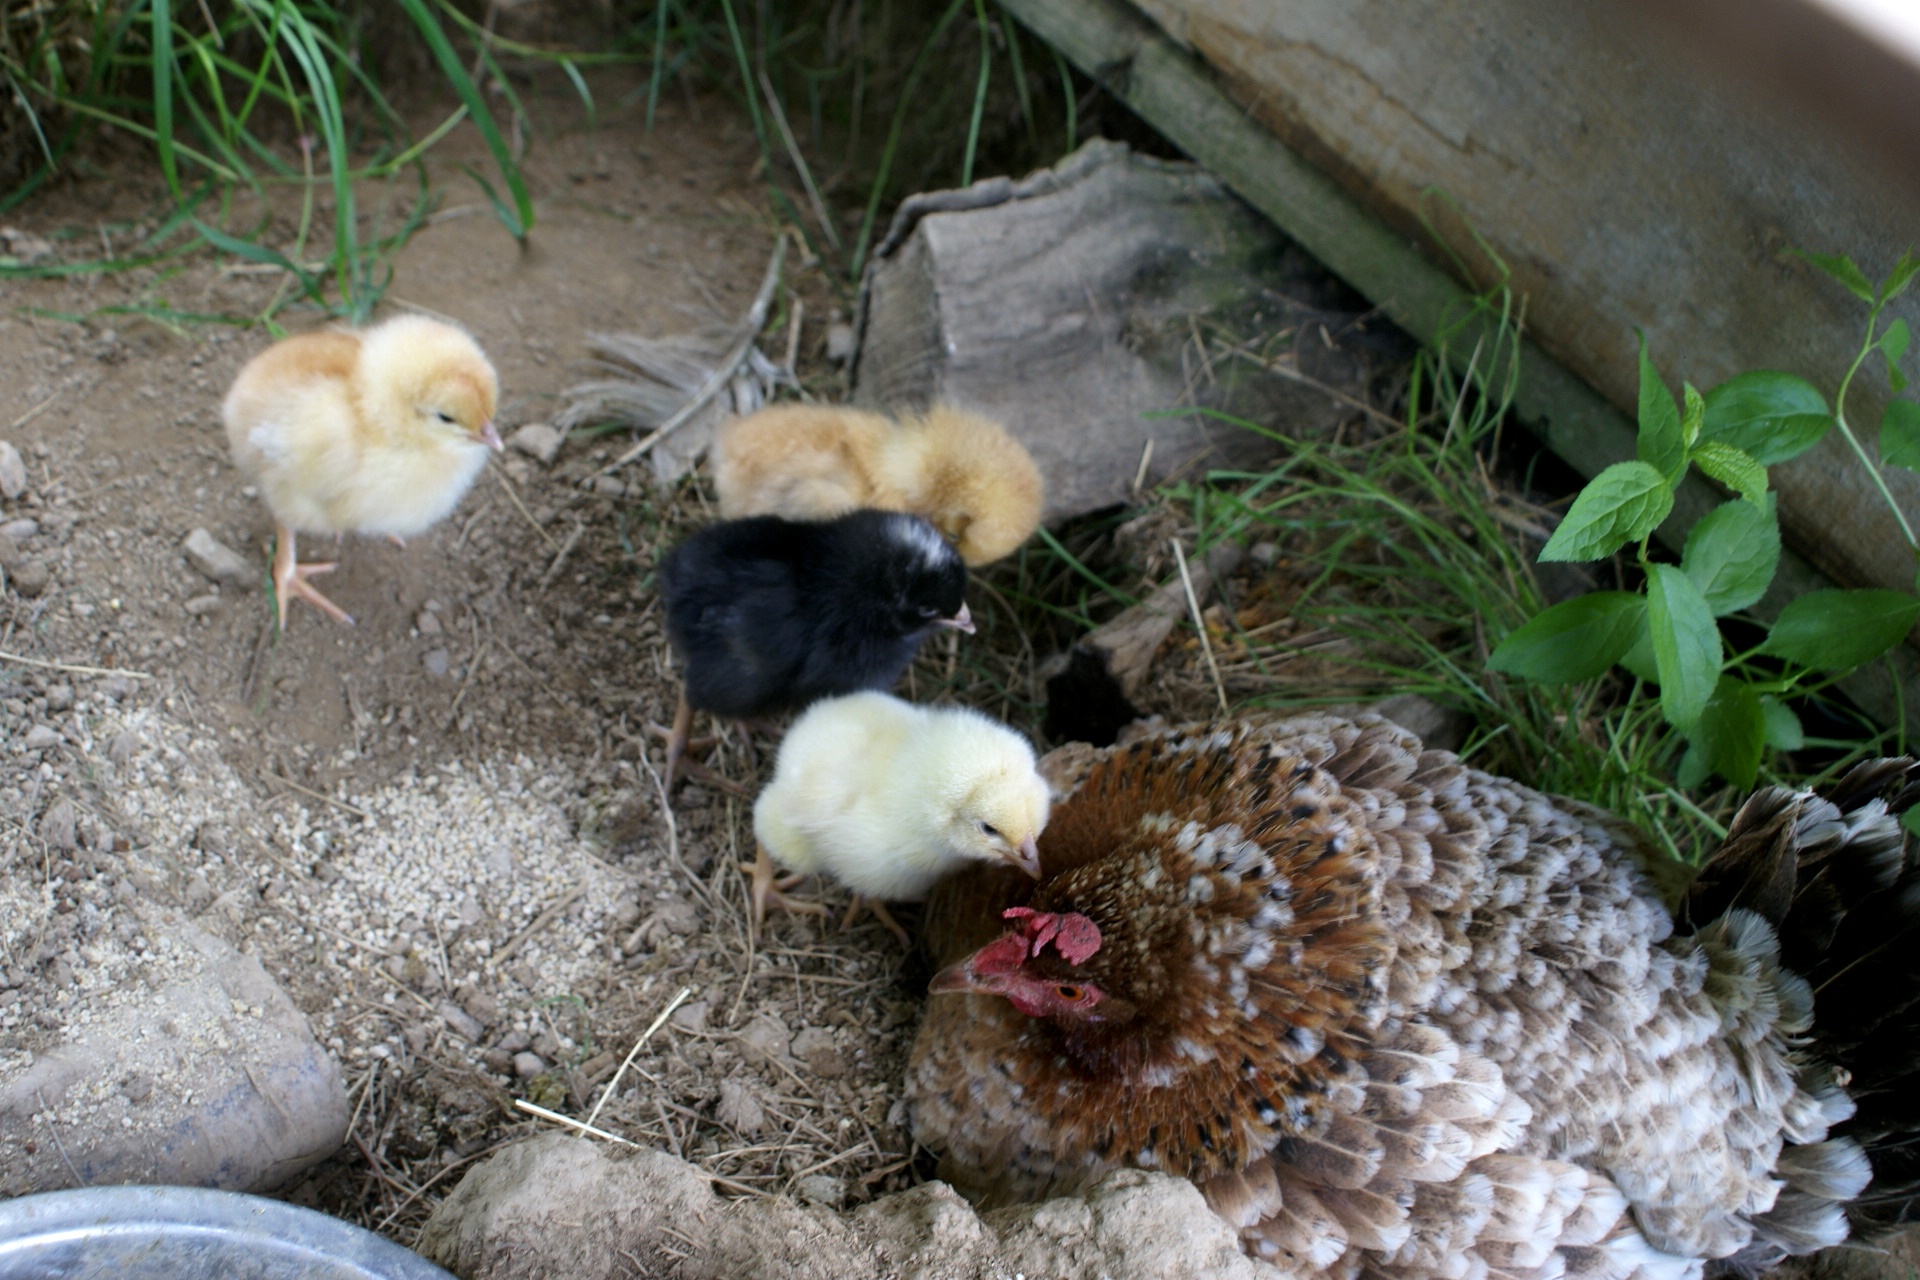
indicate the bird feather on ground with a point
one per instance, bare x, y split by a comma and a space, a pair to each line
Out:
1398, 1017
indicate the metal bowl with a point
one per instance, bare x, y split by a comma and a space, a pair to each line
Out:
173, 1233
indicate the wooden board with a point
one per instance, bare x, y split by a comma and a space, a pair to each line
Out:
1191, 105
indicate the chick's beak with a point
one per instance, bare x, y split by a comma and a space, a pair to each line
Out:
961, 621
1027, 857
490, 436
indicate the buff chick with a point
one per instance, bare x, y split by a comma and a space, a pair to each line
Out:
964, 473
380, 431
888, 798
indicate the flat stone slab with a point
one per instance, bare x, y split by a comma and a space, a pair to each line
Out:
209, 1078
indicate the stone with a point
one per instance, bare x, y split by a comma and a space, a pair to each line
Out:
56, 825
427, 623
839, 341
42, 738
527, 1064
437, 661
213, 1080
201, 606
558, 1206
816, 1047
764, 1040
739, 1110
20, 530
219, 562
1066, 306
13, 472
29, 577
59, 698
538, 441
691, 1017
462, 1023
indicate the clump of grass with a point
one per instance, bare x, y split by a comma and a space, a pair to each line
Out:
240, 96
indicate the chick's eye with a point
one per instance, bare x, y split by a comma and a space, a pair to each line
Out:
444, 417
990, 831
1069, 992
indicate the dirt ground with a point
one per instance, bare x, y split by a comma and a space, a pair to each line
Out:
435, 828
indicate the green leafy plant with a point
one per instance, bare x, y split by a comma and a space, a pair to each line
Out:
1730, 705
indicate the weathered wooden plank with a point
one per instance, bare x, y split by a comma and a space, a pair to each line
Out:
1169, 88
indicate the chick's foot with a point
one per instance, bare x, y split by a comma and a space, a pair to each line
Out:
880, 913
290, 581
768, 887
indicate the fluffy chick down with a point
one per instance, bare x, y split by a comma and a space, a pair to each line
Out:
964, 473
887, 797
377, 432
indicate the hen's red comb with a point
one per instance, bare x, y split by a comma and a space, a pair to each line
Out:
1002, 955
1072, 934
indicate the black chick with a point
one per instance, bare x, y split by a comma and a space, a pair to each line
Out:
770, 615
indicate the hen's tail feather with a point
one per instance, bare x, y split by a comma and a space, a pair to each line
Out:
1834, 876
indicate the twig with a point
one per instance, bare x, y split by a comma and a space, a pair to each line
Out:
540, 922
799, 163
614, 1084
271, 776
71, 669
560, 557
723, 372
673, 828
1200, 625
29, 416
521, 1104
53, 1130
520, 506
667, 1126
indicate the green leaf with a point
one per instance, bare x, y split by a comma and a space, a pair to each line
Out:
1693, 769
1894, 342
1900, 434
1783, 731
1731, 731
1638, 659
1731, 555
1772, 416
1734, 468
1843, 269
1903, 273
1693, 414
1576, 640
454, 70
1620, 505
1835, 630
1660, 445
1686, 645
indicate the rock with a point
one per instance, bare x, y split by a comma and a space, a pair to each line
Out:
59, 698
216, 560
608, 487
739, 1110
56, 825
764, 1040
29, 577
538, 441
839, 341
427, 623
691, 1017
527, 1064
558, 1206
224, 1085
1066, 305
13, 471
201, 606
20, 530
822, 1189
438, 662
123, 747
815, 1046
41, 738
481, 1008
462, 1023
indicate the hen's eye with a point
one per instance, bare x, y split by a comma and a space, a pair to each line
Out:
990, 831
1066, 992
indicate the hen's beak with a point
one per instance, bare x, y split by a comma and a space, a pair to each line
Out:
490, 436
961, 621
954, 978
1027, 857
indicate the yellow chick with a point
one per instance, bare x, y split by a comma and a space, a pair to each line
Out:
965, 474
380, 431
888, 797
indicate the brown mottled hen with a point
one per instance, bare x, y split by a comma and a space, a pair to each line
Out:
1399, 1017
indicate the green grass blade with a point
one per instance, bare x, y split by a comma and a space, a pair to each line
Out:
463, 85
874, 197
979, 92
659, 54
253, 252
163, 71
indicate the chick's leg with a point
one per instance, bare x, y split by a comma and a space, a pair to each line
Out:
290, 580
880, 913
677, 739
768, 888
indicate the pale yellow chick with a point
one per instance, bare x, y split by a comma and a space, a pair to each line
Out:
888, 798
962, 472
380, 431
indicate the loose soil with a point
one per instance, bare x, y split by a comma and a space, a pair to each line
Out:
438, 829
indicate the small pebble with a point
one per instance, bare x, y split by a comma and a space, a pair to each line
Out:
13, 472
200, 606
437, 661
462, 1023
427, 624
59, 697
20, 530
41, 738
839, 341
528, 1065
538, 441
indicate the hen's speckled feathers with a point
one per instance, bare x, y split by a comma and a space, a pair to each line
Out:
1395, 1016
